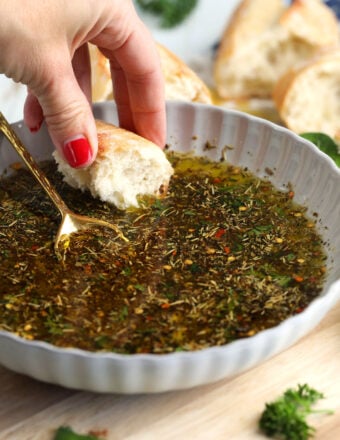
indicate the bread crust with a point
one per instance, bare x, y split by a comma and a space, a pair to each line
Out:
249, 20
100, 75
307, 97
313, 22
126, 166
181, 82
263, 39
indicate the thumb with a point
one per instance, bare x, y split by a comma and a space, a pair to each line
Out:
69, 118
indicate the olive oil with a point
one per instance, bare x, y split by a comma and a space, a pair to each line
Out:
222, 256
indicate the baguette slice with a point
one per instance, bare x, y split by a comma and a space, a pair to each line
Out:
181, 82
308, 98
313, 22
126, 166
264, 39
250, 20
100, 75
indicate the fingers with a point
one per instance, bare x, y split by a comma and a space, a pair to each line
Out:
82, 70
33, 114
67, 112
121, 95
140, 102
138, 84
54, 63
145, 89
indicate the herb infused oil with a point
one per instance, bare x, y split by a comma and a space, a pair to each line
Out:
222, 256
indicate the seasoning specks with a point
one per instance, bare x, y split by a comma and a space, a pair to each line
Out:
222, 256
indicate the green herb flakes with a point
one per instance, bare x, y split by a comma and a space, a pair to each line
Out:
222, 256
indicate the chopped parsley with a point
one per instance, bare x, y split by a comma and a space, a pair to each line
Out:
170, 12
286, 417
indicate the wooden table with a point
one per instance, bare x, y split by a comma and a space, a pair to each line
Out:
227, 410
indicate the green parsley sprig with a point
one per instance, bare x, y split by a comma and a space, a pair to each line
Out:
285, 418
170, 12
66, 433
325, 144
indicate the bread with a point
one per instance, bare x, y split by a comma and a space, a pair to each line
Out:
100, 75
308, 98
181, 82
264, 39
126, 166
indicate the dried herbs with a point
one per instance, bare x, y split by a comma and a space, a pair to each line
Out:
222, 256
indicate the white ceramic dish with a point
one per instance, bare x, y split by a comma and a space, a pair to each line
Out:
258, 145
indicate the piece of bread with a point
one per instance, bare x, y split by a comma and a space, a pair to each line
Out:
181, 82
126, 166
264, 39
308, 98
100, 75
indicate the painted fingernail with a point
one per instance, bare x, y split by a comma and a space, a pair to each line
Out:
36, 128
77, 151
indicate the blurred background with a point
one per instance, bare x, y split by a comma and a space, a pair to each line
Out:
193, 40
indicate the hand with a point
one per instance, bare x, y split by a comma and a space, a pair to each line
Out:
44, 45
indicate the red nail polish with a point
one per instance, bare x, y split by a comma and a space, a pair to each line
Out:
77, 151
36, 128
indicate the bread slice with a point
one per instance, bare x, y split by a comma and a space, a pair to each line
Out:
313, 22
264, 39
308, 98
126, 166
181, 82
100, 75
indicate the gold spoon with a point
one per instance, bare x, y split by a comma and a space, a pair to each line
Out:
70, 222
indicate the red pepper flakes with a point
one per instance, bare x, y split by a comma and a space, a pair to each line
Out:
291, 194
217, 180
298, 279
34, 247
179, 322
88, 268
219, 233
165, 306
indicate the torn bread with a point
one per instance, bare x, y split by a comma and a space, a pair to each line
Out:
126, 166
308, 98
264, 39
181, 82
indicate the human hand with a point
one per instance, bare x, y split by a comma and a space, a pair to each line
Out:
45, 47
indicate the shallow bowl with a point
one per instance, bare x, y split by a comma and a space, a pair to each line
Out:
270, 152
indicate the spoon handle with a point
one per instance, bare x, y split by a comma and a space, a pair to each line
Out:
14, 140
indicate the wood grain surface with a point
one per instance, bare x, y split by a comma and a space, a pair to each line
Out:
227, 410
